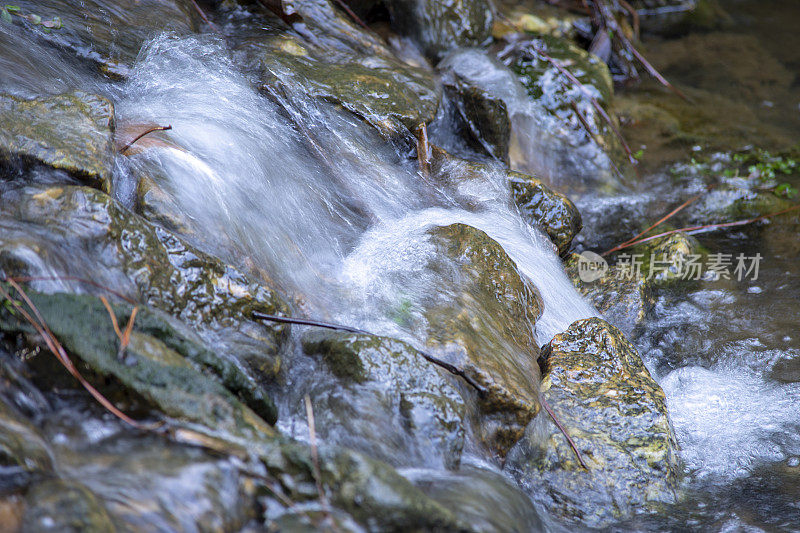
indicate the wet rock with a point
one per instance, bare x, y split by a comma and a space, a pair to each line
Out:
482, 322
148, 367
65, 506
72, 132
24, 454
110, 34
557, 100
442, 26
624, 300
616, 414
74, 230
151, 484
483, 114
670, 258
158, 206
550, 210
476, 495
385, 384
390, 95
532, 16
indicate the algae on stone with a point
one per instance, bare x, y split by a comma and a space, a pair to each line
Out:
72, 132
616, 413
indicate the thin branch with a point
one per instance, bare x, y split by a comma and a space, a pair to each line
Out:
699, 229
312, 434
58, 351
423, 150
338, 327
563, 430
352, 15
148, 131
592, 99
660, 221
203, 15
611, 22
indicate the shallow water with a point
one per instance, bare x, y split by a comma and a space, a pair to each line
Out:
342, 229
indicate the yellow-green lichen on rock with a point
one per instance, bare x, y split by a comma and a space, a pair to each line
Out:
616, 413
72, 132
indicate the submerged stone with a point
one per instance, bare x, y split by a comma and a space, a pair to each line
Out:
483, 320
388, 385
616, 413
24, 454
439, 26
65, 506
72, 132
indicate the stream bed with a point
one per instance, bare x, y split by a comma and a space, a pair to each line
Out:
424, 185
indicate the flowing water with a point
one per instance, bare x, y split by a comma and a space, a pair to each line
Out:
341, 224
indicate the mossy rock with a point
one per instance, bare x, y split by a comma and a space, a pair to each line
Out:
390, 95
587, 159
548, 209
616, 414
54, 229
670, 258
483, 321
439, 27
149, 368
72, 132
387, 381
109, 35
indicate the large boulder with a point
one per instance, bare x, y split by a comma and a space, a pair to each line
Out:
481, 319
386, 385
69, 231
616, 414
71, 132
439, 26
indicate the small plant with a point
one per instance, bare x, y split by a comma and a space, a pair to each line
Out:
8, 11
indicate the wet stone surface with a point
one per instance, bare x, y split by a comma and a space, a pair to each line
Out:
617, 415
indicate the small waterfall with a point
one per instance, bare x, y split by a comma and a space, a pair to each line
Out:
342, 224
